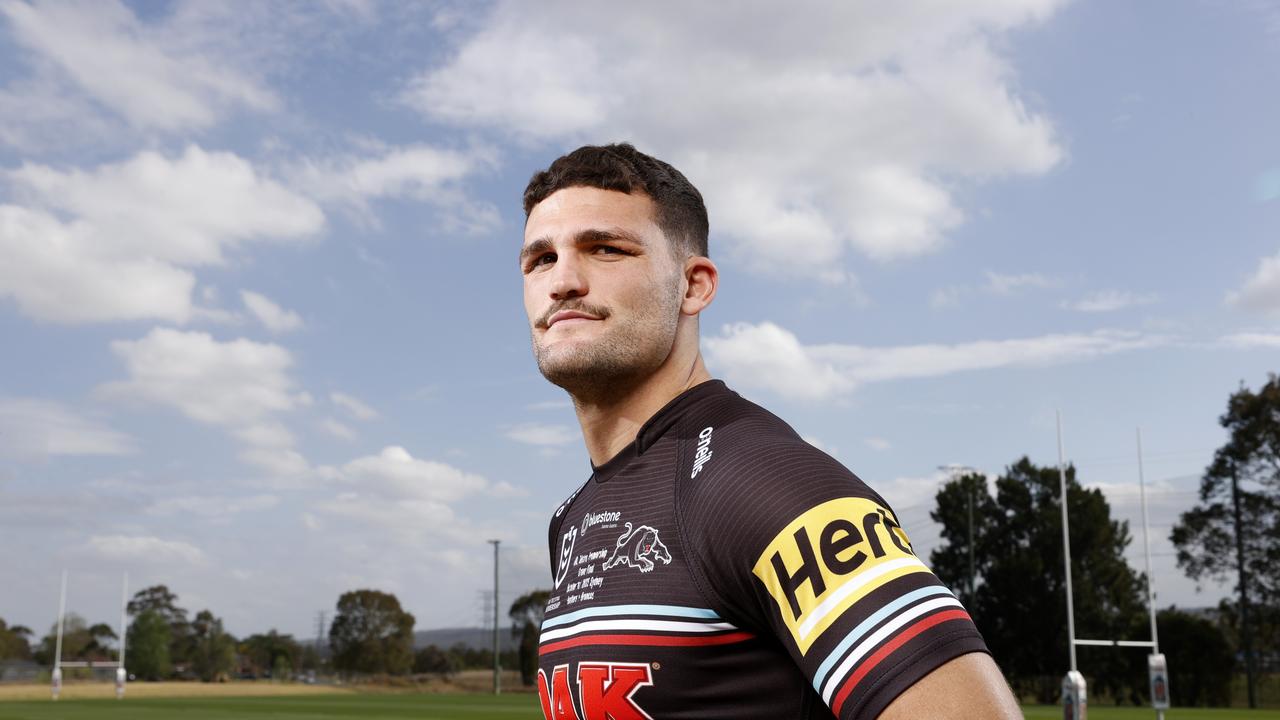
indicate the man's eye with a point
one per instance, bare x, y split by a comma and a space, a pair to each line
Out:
546, 259
609, 250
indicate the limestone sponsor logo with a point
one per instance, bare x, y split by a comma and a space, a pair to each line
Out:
605, 691
567, 541
703, 454
601, 518
638, 548
828, 559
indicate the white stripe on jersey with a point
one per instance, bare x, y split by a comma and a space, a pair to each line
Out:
635, 625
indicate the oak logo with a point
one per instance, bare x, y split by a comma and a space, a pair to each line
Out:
828, 559
605, 691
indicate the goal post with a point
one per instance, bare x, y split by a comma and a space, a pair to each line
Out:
118, 664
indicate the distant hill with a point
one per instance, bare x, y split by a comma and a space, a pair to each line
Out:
478, 638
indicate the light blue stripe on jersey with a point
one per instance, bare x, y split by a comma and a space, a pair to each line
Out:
662, 610
866, 625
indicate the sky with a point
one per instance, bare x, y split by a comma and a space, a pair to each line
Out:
261, 329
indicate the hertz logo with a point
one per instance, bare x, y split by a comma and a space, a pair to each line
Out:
828, 559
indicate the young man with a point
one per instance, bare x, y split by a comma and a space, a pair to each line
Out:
715, 565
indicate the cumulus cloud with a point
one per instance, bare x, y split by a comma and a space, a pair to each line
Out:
272, 316
117, 242
997, 284
394, 473
769, 357
1250, 340
143, 549
416, 172
36, 429
240, 386
147, 73
810, 132
543, 435
1110, 301
1261, 292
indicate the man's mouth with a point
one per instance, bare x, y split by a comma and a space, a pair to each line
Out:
569, 315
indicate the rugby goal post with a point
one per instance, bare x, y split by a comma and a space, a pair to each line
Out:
118, 664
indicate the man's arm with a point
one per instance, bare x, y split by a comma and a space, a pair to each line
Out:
969, 687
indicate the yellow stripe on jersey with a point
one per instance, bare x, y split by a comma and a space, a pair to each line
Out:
828, 559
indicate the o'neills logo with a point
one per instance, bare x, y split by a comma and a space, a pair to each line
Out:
591, 519
703, 454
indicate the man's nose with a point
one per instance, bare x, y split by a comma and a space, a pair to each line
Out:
568, 279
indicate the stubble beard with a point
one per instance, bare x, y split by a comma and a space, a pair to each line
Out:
612, 365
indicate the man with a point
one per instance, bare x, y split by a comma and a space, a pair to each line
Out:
715, 565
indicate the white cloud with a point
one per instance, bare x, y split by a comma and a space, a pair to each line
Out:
1109, 301
1261, 292
132, 229
211, 506
358, 409
272, 316
1250, 341
810, 132
1001, 284
876, 443
543, 434
394, 473
37, 429
240, 386
550, 405
147, 73
769, 357
337, 429
144, 549
415, 172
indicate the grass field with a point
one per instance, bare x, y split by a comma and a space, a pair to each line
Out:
424, 707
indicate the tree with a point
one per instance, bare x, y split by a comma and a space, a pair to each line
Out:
1019, 600
526, 615
1200, 659
1235, 530
371, 634
213, 654
160, 600
273, 653
148, 640
432, 659
79, 641
15, 642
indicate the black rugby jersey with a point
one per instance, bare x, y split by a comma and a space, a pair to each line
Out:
721, 567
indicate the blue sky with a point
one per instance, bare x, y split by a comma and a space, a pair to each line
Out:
262, 332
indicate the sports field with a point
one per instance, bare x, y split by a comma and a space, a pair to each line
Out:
423, 707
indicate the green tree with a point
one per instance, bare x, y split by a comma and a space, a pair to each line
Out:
15, 642
80, 641
267, 652
1200, 659
1019, 600
433, 660
213, 654
526, 615
148, 646
371, 634
160, 600
1235, 529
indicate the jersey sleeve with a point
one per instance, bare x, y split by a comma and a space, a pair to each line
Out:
793, 545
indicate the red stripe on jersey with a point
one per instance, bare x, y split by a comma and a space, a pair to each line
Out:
887, 649
652, 640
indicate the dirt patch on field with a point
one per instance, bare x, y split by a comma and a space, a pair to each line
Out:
80, 691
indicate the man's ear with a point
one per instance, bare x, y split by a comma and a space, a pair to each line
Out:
701, 280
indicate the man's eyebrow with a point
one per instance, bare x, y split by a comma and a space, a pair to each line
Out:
593, 235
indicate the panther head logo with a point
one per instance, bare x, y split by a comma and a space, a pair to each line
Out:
639, 548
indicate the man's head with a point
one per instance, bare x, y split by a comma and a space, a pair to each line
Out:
615, 269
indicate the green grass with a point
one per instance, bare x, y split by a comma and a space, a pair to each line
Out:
433, 707
315, 707
1110, 712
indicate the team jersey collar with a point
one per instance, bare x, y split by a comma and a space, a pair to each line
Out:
656, 426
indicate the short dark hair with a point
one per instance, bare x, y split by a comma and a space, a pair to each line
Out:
681, 214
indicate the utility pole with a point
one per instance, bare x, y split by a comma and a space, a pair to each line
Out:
1243, 575
497, 666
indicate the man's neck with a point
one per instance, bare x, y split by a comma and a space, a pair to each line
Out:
609, 426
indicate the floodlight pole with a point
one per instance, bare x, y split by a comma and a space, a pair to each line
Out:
497, 668
1066, 548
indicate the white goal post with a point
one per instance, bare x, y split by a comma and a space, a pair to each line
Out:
59, 663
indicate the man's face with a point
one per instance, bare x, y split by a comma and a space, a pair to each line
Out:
601, 288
